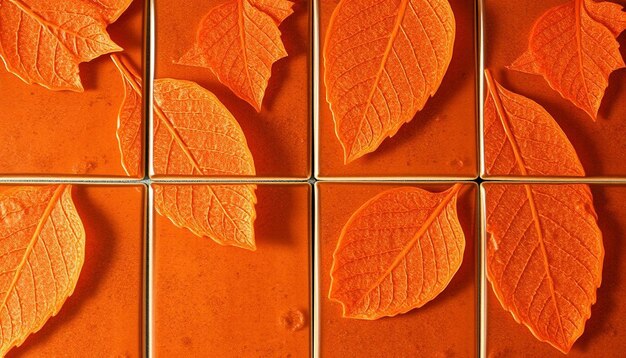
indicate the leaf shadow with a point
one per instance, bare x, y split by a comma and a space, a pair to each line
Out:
123, 33
272, 214
607, 296
292, 39
98, 255
617, 84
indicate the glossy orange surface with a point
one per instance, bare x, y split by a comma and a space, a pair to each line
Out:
279, 135
70, 133
441, 328
104, 315
217, 301
439, 141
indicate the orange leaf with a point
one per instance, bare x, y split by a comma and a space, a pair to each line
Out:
129, 120
574, 47
521, 138
43, 42
382, 61
222, 212
240, 41
42, 250
544, 256
397, 252
194, 134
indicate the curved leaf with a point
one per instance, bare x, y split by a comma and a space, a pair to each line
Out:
383, 59
521, 138
194, 134
43, 42
544, 257
574, 47
240, 41
397, 252
42, 252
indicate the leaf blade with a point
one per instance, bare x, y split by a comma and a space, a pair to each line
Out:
574, 47
41, 222
44, 42
365, 264
241, 36
382, 61
544, 256
194, 134
521, 138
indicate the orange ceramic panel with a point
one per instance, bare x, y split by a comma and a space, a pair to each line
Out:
218, 301
44, 132
443, 327
104, 315
604, 333
279, 135
439, 141
600, 149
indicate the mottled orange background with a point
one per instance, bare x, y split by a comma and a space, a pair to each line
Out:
218, 301
444, 327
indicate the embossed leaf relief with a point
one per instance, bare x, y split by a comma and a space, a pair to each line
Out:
574, 47
194, 135
521, 138
544, 257
43, 42
240, 41
42, 252
383, 59
397, 252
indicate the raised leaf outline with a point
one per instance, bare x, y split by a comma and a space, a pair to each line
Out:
397, 252
574, 47
42, 252
239, 41
544, 256
521, 138
43, 42
194, 134
383, 59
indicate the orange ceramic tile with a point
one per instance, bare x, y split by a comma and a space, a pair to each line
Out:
104, 315
224, 301
441, 140
279, 136
44, 132
604, 333
599, 144
444, 327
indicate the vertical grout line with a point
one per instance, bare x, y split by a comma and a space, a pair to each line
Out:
480, 39
148, 80
482, 267
481, 84
316, 283
315, 85
149, 93
149, 271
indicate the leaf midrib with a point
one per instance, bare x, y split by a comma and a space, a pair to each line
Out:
392, 38
493, 88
